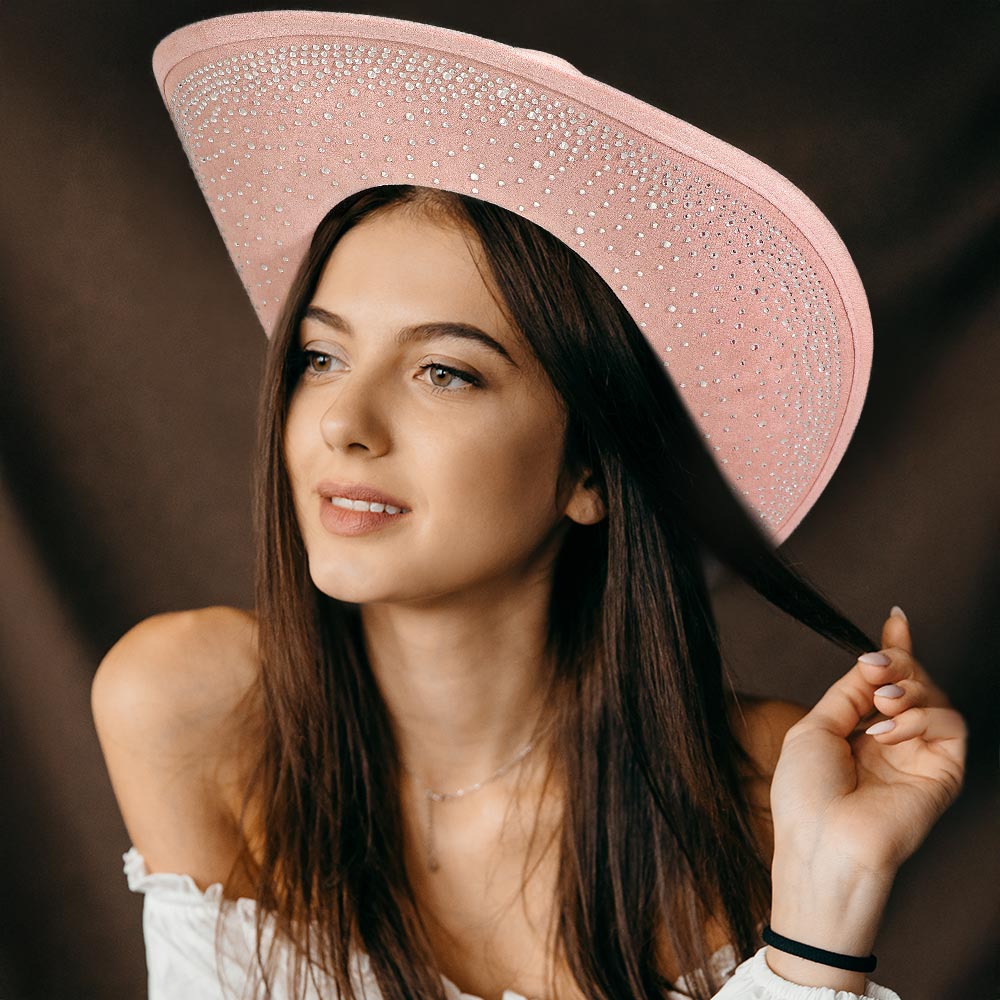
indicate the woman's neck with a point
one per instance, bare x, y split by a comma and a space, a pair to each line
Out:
465, 693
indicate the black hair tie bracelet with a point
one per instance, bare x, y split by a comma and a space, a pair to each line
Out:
850, 962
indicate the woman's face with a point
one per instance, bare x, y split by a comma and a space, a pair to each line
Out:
475, 458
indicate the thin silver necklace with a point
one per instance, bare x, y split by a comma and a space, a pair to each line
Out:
431, 796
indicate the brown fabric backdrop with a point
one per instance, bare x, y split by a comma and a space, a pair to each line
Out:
131, 358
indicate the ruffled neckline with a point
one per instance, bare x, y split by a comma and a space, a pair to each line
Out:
184, 888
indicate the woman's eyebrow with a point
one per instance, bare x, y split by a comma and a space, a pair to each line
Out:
417, 332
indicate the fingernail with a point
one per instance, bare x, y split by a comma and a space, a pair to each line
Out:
875, 659
881, 727
898, 612
890, 691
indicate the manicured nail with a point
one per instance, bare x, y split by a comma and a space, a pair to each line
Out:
898, 612
881, 727
875, 659
890, 691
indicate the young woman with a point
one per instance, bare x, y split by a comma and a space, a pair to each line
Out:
476, 739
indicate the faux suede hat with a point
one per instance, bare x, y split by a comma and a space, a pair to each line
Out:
740, 283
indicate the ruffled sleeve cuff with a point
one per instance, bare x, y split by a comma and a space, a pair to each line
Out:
179, 923
754, 979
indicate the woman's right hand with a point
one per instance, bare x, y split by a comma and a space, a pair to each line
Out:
849, 807
853, 801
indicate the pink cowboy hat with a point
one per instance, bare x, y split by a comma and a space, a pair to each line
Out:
740, 283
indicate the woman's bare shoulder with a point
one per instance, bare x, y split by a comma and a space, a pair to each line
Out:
169, 706
180, 668
760, 724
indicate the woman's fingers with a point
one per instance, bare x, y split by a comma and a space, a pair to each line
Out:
898, 696
840, 709
852, 699
896, 632
929, 746
929, 723
890, 681
905, 672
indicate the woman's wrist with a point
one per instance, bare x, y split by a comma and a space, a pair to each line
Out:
829, 909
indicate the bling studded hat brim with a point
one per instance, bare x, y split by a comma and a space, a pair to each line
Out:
740, 283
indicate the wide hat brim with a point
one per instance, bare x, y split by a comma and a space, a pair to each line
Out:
738, 280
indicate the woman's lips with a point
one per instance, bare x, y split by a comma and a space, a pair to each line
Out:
356, 491
341, 521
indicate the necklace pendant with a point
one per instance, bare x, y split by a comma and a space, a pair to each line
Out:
432, 796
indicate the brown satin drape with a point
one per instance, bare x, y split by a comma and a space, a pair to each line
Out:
131, 357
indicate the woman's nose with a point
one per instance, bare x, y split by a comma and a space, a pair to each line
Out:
357, 412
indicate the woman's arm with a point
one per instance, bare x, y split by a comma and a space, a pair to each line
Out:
849, 807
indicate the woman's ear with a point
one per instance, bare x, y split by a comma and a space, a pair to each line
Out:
586, 504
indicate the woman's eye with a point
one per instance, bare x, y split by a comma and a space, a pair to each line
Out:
299, 363
308, 360
471, 380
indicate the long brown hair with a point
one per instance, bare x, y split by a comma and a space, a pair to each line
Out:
657, 835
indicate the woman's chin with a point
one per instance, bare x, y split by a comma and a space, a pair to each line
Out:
353, 585
336, 588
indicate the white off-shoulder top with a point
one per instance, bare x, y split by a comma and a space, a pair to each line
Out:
178, 923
